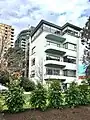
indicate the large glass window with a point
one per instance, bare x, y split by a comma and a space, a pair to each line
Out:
70, 73
71, 32
54, 44
52, 71
69, 46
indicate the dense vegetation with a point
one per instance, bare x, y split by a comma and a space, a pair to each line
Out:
43, 97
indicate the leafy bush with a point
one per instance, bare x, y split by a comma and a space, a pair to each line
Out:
72, 95
55, 95
27, 84
1, 102
39, 97
88, 80
84, 94
4, 77
14, 97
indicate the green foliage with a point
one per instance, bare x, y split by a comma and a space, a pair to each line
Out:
4, 77
14, 58
84, 94
39, 97
72, 95
55, 95
88, 80
27, 84
14, 97
1, 102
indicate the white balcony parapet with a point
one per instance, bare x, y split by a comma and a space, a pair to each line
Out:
59, 77
64, 65
60, 49
70, 66
54, 62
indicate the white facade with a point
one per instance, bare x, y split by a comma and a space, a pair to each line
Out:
54, 53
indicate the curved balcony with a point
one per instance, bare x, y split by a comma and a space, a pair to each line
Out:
53, 63
55, 49
55, 37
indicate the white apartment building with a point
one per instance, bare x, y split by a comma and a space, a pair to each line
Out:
54, 52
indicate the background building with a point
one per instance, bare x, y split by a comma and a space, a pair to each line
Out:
6, 37
23, 42
54, 52
23, 37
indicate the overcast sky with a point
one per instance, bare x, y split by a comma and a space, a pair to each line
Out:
23, 13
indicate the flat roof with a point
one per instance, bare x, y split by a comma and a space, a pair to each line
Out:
55, 26
44, 22
72, 26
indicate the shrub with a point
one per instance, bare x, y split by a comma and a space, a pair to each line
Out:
1, 102
27, 84
4, 77
88, 80
72, 95
14, 97
39, 97
55, 95
84, 94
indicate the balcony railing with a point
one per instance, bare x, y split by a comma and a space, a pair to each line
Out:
54, 44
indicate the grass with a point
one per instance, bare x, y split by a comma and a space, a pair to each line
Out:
27, 100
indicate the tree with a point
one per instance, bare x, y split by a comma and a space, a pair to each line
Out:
4, 77
85, 40
14, 59
39, 70
14, 98
55, 95
27, 84
3, 42
38, 97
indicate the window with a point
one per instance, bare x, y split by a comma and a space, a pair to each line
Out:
57, 32
12, 32
49, 71
52, 71
51, 57
33, 62
70, 73
12, 29
65, 45
53, 43
56, 72
46, 28
33, 50
69, 46
33, 73
12, 35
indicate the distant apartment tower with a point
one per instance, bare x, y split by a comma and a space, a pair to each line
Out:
54, 52
23, 42
6, 37
23, 37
